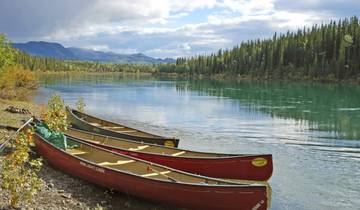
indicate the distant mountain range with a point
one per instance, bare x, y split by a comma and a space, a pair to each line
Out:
56, 50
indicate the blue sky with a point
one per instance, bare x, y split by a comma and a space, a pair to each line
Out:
162, 28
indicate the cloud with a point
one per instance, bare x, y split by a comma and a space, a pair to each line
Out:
102, 47
162, 28
179, 15
249, 7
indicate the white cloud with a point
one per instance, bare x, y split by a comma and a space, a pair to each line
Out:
174, 50
102, 47
293, 20
179, 15
250, 7
190, 5
276, 19
125, 50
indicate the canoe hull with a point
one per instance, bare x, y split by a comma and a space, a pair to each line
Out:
199, 197
233, 167
83, 125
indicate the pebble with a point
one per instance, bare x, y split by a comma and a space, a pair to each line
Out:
51, 185
68, 196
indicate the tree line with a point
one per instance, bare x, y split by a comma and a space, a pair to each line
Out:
330, 51
37, 63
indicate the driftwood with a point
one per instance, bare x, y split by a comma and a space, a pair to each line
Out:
17, 110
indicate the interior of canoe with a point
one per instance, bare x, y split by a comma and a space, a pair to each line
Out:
134, 166
136, 146
111, 126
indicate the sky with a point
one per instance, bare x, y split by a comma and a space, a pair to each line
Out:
162, 28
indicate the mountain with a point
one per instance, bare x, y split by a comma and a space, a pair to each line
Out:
46, 49
56, 50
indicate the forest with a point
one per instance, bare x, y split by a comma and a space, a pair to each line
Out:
36, 63
327, 51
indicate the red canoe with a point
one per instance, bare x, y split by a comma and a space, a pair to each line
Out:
244, 167
151, 181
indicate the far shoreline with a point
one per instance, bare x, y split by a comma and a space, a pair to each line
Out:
217, 77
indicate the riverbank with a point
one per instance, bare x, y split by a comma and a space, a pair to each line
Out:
59, 190
216, 77
238, 77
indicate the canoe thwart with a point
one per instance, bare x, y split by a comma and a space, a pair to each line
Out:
75, 151
156, 173
119, 162
127, 131
92, 141
95, 124
139, 148
178, 153
113, 127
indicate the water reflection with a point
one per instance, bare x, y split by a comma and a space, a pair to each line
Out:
322, 107
331, 108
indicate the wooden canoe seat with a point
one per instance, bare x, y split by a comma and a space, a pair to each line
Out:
178, 153
75, 151
119, 162
95, 124
139, 148
155, 174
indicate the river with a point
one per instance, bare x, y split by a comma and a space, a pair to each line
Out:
312, 130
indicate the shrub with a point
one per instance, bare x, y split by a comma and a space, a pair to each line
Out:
19, 172
80, 104
55, 115
16, 82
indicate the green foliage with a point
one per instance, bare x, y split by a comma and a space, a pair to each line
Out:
55, 115
348, 39
19, 172
318, 52
7, 53
80, 104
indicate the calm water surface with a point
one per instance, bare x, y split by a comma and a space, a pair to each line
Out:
312, 130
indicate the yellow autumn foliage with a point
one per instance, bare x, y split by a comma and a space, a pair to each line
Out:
16, 82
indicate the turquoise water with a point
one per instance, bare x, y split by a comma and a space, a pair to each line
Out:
312, 130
